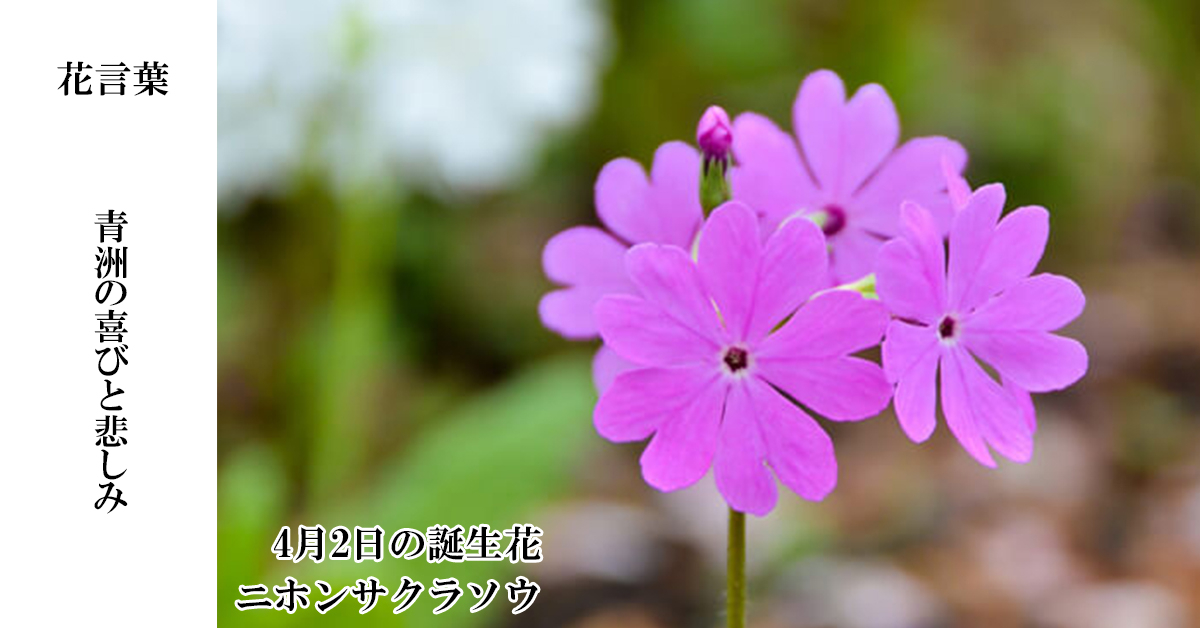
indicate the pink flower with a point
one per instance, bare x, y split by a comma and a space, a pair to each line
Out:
714, 135
846, 169
984, 307
589, 261
960, 195
714, 370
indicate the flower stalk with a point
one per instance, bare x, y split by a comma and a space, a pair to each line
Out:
735, 581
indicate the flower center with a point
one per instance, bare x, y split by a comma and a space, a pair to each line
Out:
947, 327
736, 359
835, 219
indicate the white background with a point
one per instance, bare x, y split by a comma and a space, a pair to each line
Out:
64, 160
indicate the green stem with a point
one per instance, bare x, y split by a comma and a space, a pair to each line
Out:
735, 598
354, 344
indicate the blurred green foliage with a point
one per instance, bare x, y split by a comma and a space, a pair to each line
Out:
489, 461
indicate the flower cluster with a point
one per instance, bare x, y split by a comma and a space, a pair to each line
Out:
723, 335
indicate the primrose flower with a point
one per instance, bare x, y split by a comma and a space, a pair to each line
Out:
846, 171
590, 262
960, 195
723, 345
984, 307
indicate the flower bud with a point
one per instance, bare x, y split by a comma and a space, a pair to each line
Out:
714, 134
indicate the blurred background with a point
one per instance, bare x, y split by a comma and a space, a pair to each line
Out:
389, 173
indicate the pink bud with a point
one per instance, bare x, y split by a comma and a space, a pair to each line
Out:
714, 134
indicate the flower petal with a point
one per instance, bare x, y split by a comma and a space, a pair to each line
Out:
643, 333
853, 253
585, 256
1024, 402
910, 274
570, 312
792, 268
971, 235
682, 449
997, 414
675, 194
592, 262
1013, 253
956, 185
1043, 302
817, 121
958, 410
916, 396
798, 450
904, 345
729, 255
640, 400
870, 130
979, 410
663, 209
842, 388
606, 366
910, 360
739, 470
844, 142
832, 324
769, 176
1037, 361
913, 173
667, 277
620, 197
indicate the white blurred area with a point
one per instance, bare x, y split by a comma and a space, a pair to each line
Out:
450, 96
